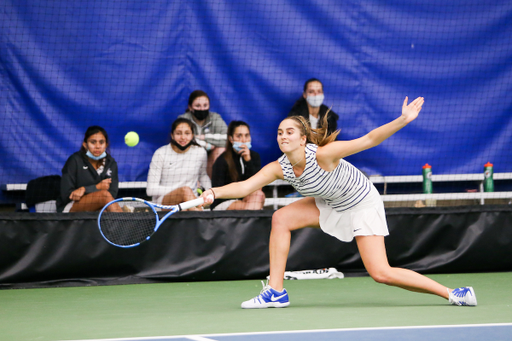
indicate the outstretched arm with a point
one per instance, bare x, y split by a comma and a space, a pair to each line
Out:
241, 189
334, 151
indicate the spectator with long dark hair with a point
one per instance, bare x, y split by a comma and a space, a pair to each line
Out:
239, 162
89, 177
177, 167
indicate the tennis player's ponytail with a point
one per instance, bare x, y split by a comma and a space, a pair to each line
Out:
319, 136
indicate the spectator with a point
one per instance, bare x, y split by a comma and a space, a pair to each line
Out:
210, 127
237, 163
311, 107
177, 167
89, 177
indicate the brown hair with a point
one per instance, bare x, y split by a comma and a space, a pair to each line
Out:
319, 136
196, 94
228, 154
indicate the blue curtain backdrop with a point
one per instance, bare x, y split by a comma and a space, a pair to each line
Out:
130, 65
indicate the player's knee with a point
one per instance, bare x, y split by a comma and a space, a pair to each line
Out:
279, 220
381, 276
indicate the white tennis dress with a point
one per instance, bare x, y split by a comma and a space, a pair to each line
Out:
348, 202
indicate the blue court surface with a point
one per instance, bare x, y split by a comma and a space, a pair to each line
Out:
494, 332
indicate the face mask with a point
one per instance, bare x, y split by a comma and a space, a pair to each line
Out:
238, 146
200, 114
90, 155
315, 101
179, 146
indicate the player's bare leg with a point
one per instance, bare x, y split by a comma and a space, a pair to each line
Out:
373, 254
300, 214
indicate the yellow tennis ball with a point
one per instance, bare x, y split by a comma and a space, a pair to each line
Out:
131, 139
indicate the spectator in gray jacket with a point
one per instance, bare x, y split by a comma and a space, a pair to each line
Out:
211, 130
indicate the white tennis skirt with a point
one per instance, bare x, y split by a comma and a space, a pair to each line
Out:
367, 218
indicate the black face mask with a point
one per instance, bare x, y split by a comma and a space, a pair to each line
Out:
200, 114
179, 146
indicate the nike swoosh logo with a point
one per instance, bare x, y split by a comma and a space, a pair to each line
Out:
273, 298
356, 230
85, 167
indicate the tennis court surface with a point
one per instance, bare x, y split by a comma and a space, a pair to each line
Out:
438, 333
353, 308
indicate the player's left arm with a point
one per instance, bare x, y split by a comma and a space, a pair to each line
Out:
334, 151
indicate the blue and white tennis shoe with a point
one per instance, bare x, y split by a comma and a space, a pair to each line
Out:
268, 298
462, 296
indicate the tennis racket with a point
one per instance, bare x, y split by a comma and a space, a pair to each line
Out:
139, 222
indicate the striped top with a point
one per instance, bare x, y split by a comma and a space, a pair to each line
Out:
342, 188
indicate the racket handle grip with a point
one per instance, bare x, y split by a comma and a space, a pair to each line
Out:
191, 203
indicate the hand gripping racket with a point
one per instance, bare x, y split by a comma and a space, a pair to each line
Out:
139, 222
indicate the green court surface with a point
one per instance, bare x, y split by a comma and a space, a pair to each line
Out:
214, 307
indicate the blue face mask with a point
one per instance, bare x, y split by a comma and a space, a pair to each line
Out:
238, 146
90, 155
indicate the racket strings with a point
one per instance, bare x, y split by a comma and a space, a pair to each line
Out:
130, 228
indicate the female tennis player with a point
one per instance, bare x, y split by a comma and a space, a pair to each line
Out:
340, 200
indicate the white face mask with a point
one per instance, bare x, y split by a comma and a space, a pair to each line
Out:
315, 101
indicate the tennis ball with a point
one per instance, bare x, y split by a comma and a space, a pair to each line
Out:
131, 139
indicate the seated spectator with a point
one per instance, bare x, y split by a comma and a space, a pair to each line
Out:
311, 107
210, 127
237, 163
176, 168
89, 177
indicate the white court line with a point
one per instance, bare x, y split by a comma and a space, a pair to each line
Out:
207, 337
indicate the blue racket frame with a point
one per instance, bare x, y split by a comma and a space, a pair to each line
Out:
173, 209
